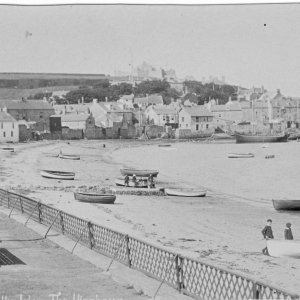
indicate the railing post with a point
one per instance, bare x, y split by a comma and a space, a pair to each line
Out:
8, 200
179, 278
256, 291
62, 223
21, 204
40, 212
91, 236
128, 251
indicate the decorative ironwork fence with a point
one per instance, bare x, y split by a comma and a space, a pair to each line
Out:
189, 276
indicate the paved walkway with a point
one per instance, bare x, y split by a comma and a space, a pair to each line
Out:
51, 272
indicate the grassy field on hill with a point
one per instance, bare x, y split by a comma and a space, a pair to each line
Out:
16, 94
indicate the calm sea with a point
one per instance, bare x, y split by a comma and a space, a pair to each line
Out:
207, 165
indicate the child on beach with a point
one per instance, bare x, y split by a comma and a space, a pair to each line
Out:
267, 233
288, 235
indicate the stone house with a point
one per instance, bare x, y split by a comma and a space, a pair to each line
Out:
38, 111
77, 121
144, 102
9, 128
162, 115
196, 119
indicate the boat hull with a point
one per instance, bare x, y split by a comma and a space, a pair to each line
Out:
95, 198
184, 193
73, 157
58, 175
164, 145
240, 155
286, 204
284, 248
141, 184
240, 138
139, 173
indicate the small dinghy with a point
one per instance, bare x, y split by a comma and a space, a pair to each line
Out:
284, 248
240, 155
185, 192
139, 173
142, 183
164, 145
58, 175
286, 204
66, 156
95, 198
9, 149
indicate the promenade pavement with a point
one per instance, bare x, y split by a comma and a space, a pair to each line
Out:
51, 272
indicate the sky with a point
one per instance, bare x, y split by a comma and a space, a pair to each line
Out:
248, 44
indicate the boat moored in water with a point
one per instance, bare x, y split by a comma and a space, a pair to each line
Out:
139, 173
240, 155
241, 138
57, 175
284, 248
185, 192
286, 204
95, 198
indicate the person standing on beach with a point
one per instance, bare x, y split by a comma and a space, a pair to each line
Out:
267, 233
134, 180
126, 180
288, 235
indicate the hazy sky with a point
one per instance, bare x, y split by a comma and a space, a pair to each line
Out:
248, 44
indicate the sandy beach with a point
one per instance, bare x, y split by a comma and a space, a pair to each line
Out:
223, 228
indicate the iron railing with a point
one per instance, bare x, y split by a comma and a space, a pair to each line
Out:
189, 276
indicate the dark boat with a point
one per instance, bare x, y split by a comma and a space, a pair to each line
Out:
139, 173
164, 145
139, 184
10, 149
240, 155
95, 198
286, 204
240, 138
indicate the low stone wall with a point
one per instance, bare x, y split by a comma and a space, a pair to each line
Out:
72, 134
188, 134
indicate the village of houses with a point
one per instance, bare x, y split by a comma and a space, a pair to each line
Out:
146, 117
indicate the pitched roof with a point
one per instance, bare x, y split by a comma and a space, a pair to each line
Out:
165, 110
5, 117
152, 99
198, 111
74, 117
26, 104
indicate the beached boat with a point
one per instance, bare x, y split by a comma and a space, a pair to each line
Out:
10, 149
95, 198
140, 183
164, 145
240, 138
67, 156
58, 175
185, 192
284, 248
286, 204
240, 155
139, 173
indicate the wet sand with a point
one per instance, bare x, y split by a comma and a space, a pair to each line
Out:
223, 228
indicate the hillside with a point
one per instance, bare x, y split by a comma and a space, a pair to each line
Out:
15, 94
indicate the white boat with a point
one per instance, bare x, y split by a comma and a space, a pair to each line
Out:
284, 248
185, 192
58, 175
240, 155
67, 156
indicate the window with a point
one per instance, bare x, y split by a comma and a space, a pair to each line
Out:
4, 134
197, 126
12, 134
1, 125
13, 125
186, 125
182, 119
206, 126
220, 115
41, 115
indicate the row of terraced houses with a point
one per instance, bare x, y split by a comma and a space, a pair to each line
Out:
132, 117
